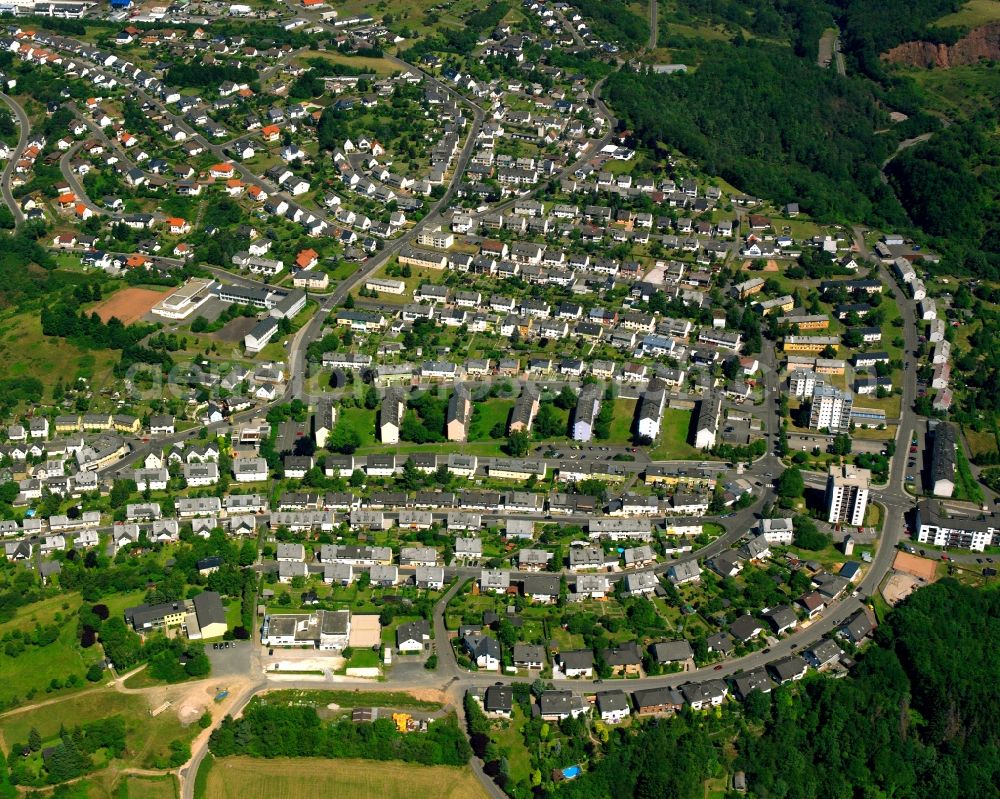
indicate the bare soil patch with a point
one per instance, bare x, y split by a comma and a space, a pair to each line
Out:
129, 305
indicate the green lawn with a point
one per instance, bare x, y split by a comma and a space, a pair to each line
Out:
362, 421
363, 659
673, 441
622, 421
343, 270
486, 416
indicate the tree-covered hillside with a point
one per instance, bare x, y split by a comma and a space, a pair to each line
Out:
919, 718
950, 187
771, 123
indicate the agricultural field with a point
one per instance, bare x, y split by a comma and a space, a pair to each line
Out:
284, 778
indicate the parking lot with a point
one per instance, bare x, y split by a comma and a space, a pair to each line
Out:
230, 658
289, 432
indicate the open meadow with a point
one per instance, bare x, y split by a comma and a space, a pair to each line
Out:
293, 778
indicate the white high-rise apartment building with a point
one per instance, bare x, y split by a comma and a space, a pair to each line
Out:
847, 495
831, 408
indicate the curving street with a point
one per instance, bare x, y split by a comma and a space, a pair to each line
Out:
24, 130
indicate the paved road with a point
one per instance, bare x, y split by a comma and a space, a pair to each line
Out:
906, 144
75, 185
24, 126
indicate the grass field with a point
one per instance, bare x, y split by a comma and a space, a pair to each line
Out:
960, 90
377, 66
975, 12
673, 441
486, 416
147, 737
25, 352
36, 667
362, 421
139, 787
284, 778
622, 421
980, 441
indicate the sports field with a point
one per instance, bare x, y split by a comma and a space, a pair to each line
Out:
129, 304
293, 778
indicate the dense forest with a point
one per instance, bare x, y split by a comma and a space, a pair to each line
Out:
950, 187
919, 717
771, 123
926, 700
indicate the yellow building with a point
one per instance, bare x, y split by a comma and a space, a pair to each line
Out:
806, 322
810, 343
127, 424
674, 476
67, 424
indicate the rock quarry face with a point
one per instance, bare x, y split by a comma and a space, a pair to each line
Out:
980, 44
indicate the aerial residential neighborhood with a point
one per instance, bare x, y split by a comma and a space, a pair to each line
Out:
527, 396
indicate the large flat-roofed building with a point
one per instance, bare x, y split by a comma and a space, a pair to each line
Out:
328, 630
810, 343
847, 495
181, 303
